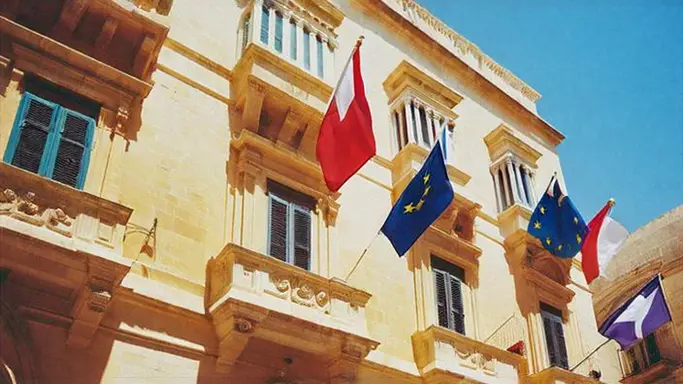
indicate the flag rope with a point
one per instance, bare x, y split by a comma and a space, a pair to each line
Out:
362, 255
590, 354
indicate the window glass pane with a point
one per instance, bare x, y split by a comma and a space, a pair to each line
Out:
292, 39
265, 24
278, 31
319, 46
307, 49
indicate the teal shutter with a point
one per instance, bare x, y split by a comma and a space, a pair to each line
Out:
71, 151
265, 23
278, 31
319, 48
307, 49
292, 39
29, 142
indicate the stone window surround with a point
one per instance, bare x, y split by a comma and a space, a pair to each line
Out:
304, 22
436, 242
255, 162
408, 104
521, 176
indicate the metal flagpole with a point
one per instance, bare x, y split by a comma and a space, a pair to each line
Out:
590, 354
362, 255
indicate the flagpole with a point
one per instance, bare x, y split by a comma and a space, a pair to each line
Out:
590, 354
361, 256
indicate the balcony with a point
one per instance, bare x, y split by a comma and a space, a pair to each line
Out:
444, 356
651, 373
62, 248
253, 298
555, 375
105, 50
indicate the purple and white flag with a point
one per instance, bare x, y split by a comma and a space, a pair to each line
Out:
639, 316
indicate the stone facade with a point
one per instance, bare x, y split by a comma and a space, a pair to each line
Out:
155, 268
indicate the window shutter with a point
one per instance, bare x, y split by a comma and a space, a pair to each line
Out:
72, 149
442, 307
278, 224
560, 343
653, 355
245, 31
307, 49
302, 237
31, 133
292, 39
457, 313
265, 24
319, 49
278, 31
549, 338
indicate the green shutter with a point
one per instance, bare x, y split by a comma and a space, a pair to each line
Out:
31, 134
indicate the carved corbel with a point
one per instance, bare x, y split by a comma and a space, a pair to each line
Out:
329, 209
94, 299
255, 94
234, 328
290, 127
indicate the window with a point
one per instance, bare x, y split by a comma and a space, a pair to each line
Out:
448, 280
642, 355
245, 30
50, 139
554, 336
319, 48
265, 24
292, 39
278, 31
289, 225
307, 49
414, 122
513, 183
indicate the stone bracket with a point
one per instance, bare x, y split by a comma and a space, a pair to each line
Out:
234, 327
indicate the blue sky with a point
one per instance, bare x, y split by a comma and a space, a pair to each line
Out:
611, 76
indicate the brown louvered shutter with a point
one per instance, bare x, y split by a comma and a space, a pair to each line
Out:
72, 147
34, 132
279, 223
302, 237
440, 278
457, 313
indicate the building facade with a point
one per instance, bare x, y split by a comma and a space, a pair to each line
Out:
164, 220
655, 249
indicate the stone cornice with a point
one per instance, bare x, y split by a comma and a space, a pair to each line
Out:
408, 76
549, 290
503, 140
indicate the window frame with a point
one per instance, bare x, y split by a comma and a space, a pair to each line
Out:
54, 137
450, 271
295, 202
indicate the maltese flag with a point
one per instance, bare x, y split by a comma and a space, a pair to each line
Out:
639, 316
605, 237
346, 141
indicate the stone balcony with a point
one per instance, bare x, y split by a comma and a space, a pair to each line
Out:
64, 245
555, 375
445, 356
254, 296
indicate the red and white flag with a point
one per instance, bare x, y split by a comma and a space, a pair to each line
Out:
605, 237
346, 142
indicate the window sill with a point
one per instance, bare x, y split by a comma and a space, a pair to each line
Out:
442, 354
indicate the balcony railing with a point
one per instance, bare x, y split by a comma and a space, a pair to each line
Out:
446, 356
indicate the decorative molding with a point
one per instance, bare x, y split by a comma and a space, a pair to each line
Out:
503, 141
406, 77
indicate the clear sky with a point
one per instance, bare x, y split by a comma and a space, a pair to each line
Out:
610, 73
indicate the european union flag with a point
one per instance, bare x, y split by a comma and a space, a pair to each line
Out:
557, 223
427, 195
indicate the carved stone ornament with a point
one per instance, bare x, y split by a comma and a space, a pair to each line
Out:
243, 325
25, 209
299, 292
99, 301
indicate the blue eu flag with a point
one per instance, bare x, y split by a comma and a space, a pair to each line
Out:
427, 195
557, 223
